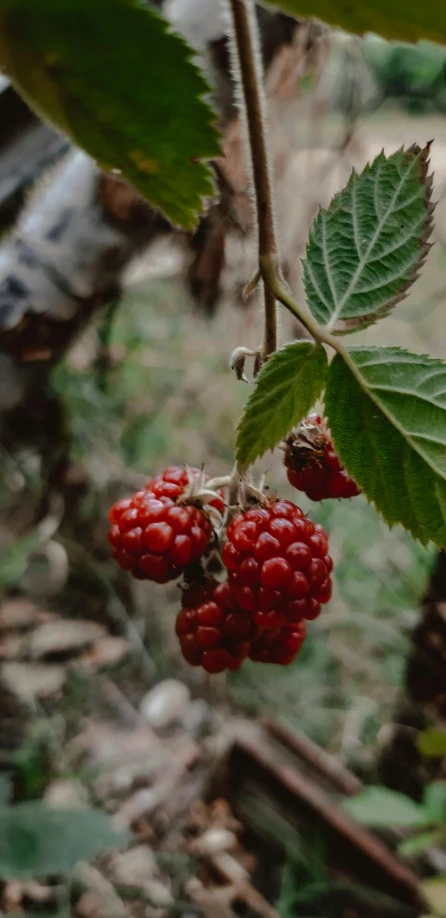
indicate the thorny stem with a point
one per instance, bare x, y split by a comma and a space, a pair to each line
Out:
245, 36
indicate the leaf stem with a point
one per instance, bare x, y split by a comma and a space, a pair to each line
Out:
248, 56
273, 281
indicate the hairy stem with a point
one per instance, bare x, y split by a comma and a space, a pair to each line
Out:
274, 282
245, 38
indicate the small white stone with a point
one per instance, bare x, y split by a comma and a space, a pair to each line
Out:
165, 704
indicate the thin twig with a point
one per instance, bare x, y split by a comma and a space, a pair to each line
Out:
248, 56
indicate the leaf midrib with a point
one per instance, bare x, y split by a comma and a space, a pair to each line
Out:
363, 259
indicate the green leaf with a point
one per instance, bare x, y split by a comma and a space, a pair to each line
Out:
366, 250
432, 743
401, 20
111, 76
434, 801
5, 788
421, 842
14, 559
285, 390
434, 890
36, 840
386, 409
379, 806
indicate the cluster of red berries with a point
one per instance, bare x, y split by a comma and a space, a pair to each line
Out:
312, 463
278, 576
277, 561
215, 633
153, 534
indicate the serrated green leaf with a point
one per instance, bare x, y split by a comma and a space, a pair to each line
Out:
379, 806
419, 843
386, 409
367, 249
398, 20
113, 77
432, 743
37, 840
285, 390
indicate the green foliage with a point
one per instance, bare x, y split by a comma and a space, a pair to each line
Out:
287, 387
366, 250
386, 410
419, 843
5, 788
111, 76
434, 802
381, 807
432, 743
399, 20
413, 72
31, 836
384, 808
14, 559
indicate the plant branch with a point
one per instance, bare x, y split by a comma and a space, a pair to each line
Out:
248, 56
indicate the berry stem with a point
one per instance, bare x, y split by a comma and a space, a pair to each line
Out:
250, 75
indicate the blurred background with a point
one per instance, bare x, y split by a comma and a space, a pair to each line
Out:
115, 335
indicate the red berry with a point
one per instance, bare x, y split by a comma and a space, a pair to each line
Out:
118, 509
280, 646
283, 575
213, 633
152, 535
275, 573
312, 463
267, 546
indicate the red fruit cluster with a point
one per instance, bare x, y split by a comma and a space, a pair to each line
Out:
313, 465
213, 632
153, 536
216, 634
279, 566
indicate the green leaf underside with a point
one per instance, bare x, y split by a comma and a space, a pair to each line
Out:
379, 806
366, 250
432, 743
401, 20
111, 76
36, 840
285, 390
387, 415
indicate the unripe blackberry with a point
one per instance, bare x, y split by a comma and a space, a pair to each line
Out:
213, 633
312, 463
155, 534
278, 565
